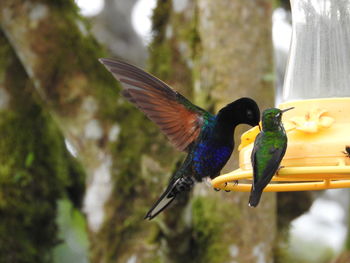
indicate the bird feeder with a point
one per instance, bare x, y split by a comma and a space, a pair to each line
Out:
317, 84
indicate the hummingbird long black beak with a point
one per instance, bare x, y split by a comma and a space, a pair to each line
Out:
283, 111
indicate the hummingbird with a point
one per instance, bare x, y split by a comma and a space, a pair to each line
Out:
269, 148
207, 139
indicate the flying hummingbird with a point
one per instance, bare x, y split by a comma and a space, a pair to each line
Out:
269, 148
207, 138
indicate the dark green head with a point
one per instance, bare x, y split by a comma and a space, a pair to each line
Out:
271, 118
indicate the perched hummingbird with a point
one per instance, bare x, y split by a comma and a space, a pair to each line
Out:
207, 138
269, 148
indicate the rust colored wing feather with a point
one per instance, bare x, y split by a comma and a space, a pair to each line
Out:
178, 118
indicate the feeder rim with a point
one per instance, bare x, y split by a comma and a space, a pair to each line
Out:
307, 178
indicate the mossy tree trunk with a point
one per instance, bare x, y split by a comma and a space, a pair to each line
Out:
35, 168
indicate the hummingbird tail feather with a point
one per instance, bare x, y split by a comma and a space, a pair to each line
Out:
160, 205
180, 185
254, 198
164, 200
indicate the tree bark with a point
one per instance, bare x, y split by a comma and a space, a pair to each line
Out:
35, 168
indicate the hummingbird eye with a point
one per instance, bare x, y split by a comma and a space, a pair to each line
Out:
249, 114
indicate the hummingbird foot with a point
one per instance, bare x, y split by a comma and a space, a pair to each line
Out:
227, 191
235, 182
208, 183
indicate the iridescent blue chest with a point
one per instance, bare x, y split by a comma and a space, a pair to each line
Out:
209, 158
212, 151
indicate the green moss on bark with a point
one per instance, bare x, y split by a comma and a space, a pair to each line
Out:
209, 222
33, 175
60, 43
35, 170
194, 35
160, 50
170, 50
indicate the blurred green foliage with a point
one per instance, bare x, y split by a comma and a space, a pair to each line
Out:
72, 232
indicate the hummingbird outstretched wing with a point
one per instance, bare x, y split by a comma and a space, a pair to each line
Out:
177, 117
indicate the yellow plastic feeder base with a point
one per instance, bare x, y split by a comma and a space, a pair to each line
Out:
318, 131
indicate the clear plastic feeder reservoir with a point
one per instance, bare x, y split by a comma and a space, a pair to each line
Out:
319, 62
